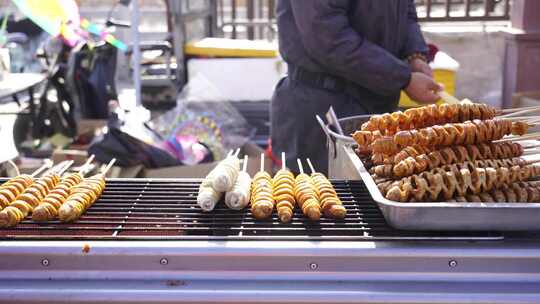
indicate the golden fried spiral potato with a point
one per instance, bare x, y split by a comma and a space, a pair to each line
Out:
262, 196
47, 210
284, 195
24, 203
13, 188
307, 196
332, 206
82, 196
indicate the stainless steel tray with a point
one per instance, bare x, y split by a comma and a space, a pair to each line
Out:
450, 216
344, 163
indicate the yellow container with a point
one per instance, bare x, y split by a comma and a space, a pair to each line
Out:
223, 47
444, 71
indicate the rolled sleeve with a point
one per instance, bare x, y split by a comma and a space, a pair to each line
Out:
330, 40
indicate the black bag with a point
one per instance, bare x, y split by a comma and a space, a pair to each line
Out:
130, 151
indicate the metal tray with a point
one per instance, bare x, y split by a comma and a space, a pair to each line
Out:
430, 215
450, 216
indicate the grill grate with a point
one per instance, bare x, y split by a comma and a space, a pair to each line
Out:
144, 209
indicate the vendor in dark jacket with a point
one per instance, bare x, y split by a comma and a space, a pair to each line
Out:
353, 55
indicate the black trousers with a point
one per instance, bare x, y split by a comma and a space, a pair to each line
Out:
295, 130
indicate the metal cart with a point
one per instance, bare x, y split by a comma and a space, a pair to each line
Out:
146, 241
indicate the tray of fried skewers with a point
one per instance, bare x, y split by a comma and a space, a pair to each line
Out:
462, 166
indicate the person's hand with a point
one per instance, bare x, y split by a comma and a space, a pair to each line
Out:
423, 89
420, 66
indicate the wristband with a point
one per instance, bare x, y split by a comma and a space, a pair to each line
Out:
417, 56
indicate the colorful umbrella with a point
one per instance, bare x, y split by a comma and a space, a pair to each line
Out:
50, 15
61, 17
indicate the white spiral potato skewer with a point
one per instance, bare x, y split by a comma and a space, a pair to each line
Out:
208, 196
225, 174
238, 197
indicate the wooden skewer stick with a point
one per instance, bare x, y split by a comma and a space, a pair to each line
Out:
531, 146
532, 152
64, 169
86, 165
448, 98
244, 165
109, 166
521, 118
530, 136
283, 161
47, 165
231, 152
300, 167
12, 163
534, 121
532, 162
511, 110
310, 165
237, 152
527, 111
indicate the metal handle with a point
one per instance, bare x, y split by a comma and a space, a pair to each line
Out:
330, 140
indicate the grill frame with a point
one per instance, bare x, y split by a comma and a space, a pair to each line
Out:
138, 219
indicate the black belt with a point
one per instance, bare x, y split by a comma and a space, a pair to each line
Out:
319, 80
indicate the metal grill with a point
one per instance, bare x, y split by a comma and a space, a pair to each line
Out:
144, 209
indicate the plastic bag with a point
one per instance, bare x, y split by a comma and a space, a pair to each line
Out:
203, 114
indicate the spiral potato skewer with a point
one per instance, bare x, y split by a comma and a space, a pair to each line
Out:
446, 156
47, 210
225, 174
17, 210
306, 195
208, 197
491, 164
262, 194
331, 205
430, 115
83, 195
471, 132
445, 185
11, 189
238, 197
284, 192
527, 192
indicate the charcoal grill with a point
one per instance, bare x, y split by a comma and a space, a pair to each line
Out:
146, 241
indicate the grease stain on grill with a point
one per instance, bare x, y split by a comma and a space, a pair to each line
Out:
141, 209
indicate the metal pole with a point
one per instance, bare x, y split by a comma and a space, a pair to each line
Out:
136, 50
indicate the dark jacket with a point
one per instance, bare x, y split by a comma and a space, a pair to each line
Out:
362, 41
